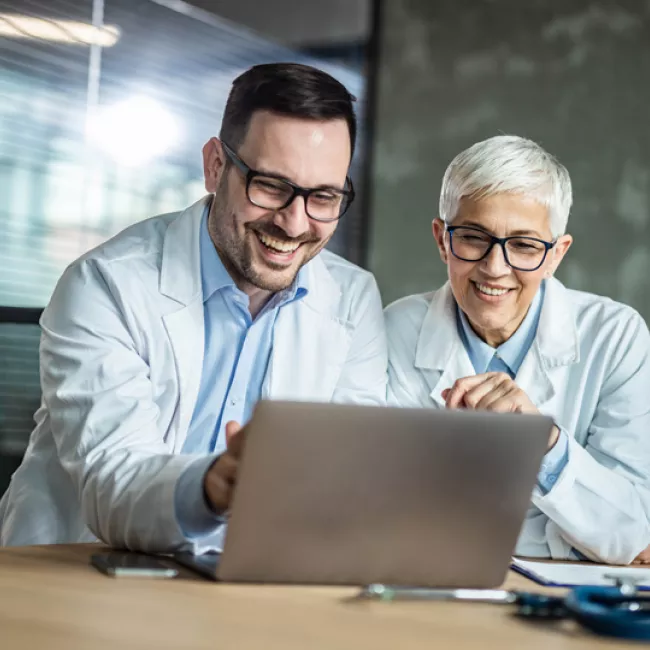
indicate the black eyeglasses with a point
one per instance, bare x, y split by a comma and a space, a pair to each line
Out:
275, 193
521, 253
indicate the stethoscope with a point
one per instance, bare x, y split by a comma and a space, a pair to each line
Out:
618, 611
610, 611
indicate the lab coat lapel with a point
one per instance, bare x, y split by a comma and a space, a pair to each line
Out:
556, 345
310, 342
534, 379
180, 281
440, 351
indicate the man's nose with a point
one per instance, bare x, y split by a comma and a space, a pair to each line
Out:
293, 219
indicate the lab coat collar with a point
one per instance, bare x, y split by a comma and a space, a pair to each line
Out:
556, 344
180, 276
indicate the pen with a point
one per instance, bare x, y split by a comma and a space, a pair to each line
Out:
387, 592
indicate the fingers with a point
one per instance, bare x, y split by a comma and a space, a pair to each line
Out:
226, 467
503, 399
456, 393
235, 436
554, 437
492, 391
488, 392
232, 429
456, 396
220, 480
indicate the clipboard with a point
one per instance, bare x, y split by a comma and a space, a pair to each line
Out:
576, 574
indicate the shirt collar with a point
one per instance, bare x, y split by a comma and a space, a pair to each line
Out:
215, 277
213, 273
514, 350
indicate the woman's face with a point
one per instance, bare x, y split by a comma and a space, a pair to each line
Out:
494, 296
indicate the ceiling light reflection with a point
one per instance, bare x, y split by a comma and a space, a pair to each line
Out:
58, 31
133, 131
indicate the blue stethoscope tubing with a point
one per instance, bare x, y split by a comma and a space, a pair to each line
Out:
606, 611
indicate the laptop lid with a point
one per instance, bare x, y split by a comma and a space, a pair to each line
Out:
349, 494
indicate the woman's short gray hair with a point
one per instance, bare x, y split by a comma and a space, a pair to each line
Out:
508, 163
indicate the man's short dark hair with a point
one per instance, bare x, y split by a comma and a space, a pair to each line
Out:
288, 89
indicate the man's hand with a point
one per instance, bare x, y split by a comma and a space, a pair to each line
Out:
492, 391
220, 479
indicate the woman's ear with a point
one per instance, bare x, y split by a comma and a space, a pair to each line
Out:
559, 251
439, 234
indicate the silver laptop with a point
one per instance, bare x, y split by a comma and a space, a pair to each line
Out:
347, 494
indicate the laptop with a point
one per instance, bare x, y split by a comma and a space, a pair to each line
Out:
338, 494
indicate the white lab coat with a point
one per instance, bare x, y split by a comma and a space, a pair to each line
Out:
121, 357
588, 368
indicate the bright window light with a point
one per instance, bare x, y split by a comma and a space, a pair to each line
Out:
133, 131
58, 31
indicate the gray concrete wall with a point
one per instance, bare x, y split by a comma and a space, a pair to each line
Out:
572, 74
298, 22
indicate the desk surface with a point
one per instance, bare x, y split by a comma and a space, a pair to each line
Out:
51, 598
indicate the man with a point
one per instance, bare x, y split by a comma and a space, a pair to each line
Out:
157, 344
503, 335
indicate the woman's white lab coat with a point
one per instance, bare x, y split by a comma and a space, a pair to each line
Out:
588, 368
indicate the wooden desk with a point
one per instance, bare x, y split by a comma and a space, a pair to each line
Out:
51, 598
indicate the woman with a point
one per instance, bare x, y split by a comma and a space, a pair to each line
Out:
504, 335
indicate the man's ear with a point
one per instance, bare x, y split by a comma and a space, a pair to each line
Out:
214, 162
438, 227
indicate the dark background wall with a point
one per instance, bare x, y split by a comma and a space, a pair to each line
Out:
298, 22
571, 74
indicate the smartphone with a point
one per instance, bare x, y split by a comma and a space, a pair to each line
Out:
120, 564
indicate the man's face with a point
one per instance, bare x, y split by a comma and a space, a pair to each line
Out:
494, 296
265, 248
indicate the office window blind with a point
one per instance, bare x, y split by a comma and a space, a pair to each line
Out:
20, 391
102, 122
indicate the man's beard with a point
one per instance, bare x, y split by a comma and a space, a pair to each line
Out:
237, 253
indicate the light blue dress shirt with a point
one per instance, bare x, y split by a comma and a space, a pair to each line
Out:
236, 355
508, 358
